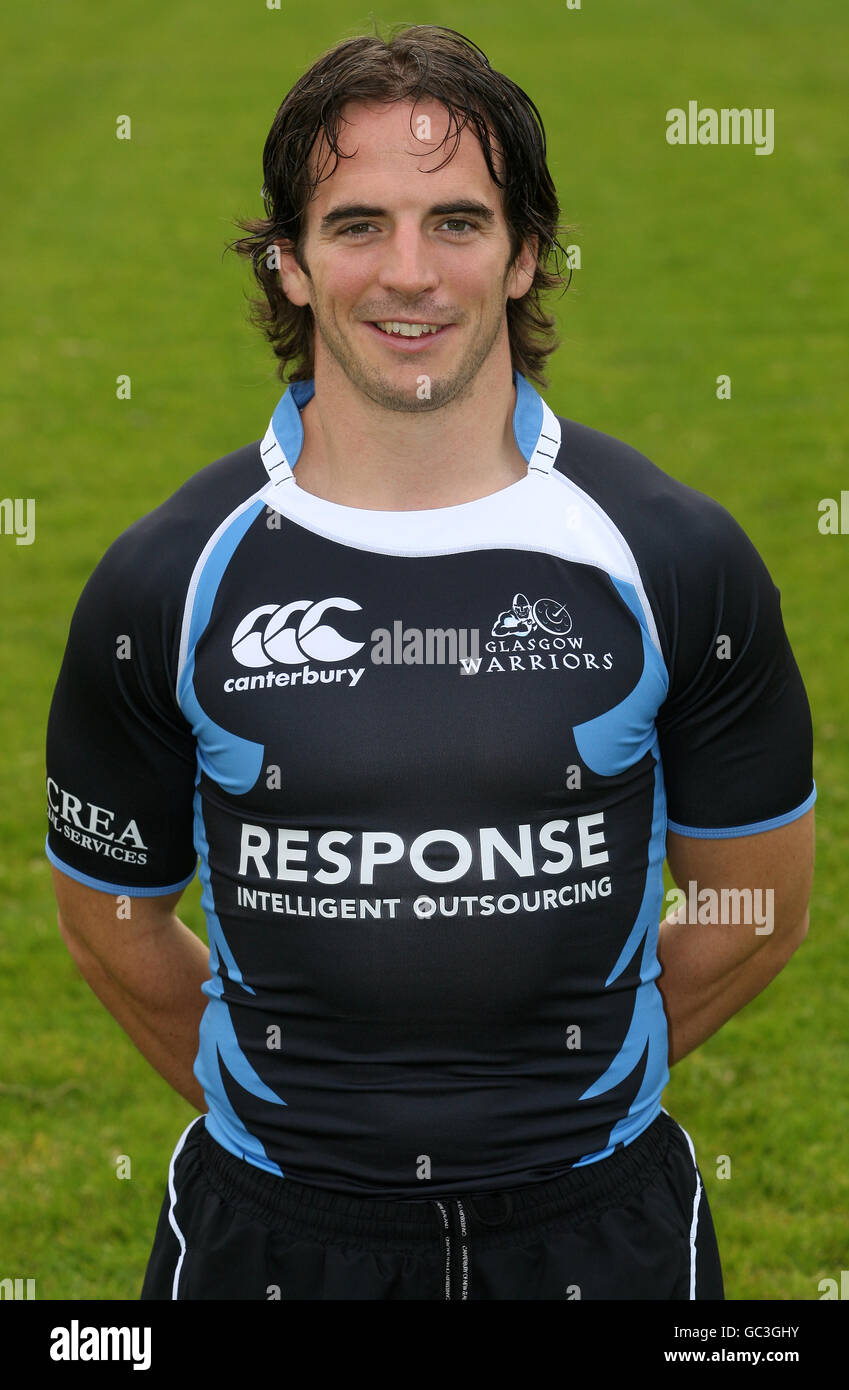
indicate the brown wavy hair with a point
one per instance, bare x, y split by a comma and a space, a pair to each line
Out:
416, 62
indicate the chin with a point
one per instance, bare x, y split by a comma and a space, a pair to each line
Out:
411, 390
401, 399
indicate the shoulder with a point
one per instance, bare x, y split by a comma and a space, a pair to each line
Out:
644, 502
157, 554
140, 587
691, 553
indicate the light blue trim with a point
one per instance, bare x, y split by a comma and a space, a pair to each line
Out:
619, 738
130, 892
288, 428
737, 831
219, 1050
219, 949
286, 421
237, 1140
219, 1044
608, 744
302, 392
647, 1035
625, 1139
231, 761
527, 416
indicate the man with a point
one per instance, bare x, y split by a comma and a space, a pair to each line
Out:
434, 1042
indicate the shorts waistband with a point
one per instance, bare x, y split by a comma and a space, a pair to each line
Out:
316, 1213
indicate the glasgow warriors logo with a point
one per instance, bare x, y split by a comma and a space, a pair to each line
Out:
546, 615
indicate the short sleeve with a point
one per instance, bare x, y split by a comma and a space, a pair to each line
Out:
735, 730
120, 755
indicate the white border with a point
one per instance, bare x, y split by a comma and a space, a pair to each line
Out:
171, 1217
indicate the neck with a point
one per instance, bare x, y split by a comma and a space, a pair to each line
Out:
361, 454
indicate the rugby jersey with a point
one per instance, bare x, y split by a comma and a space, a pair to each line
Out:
424, 763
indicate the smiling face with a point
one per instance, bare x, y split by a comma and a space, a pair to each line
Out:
408, 266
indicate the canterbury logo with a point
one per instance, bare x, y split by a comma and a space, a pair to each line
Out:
275, 632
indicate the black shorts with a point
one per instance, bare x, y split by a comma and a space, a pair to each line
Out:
632, 1226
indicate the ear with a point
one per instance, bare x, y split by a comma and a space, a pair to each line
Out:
521, 274
295, 282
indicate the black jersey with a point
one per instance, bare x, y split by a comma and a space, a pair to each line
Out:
426, 761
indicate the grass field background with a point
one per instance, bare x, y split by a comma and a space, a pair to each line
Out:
695, 262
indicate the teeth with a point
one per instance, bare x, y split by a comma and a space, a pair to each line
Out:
408, 330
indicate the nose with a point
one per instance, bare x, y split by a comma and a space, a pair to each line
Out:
407, 266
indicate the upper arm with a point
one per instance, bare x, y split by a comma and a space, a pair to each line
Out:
93, 919
735, 734
780, 861
121, 760
127, 938
735, 729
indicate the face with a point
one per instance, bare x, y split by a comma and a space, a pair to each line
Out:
407, 267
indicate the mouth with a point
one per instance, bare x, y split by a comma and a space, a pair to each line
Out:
406, 335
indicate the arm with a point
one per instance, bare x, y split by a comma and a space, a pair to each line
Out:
147, 969
711, 971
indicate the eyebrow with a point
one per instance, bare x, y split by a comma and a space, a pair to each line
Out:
347, 211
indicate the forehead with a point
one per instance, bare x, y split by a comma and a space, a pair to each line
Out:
393, 151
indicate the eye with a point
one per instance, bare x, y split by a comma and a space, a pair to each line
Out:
455, 223
358, 229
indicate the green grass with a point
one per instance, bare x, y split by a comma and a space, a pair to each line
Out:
696, 262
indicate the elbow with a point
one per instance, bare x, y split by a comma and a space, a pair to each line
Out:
801, 930
63, 930
792, 938
66, 932
75, 946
